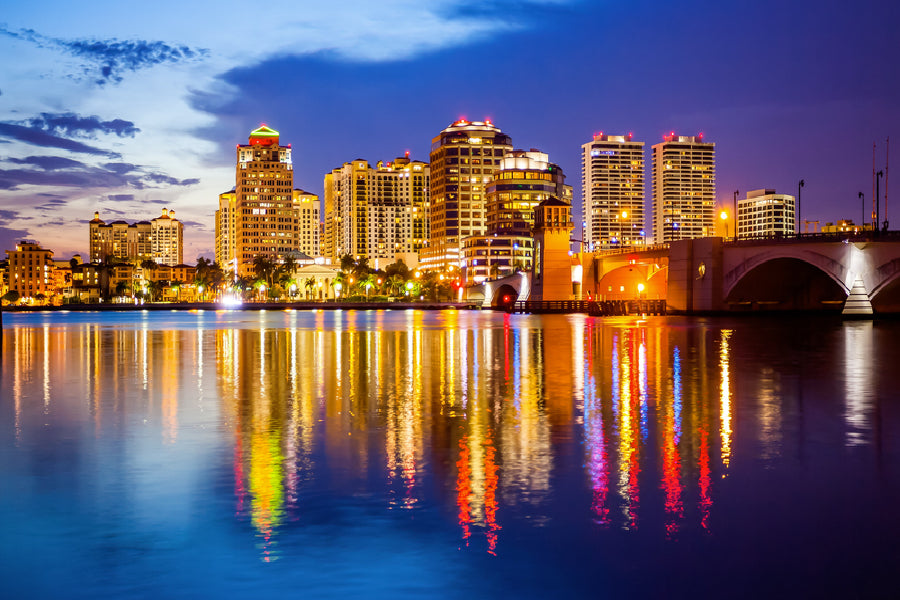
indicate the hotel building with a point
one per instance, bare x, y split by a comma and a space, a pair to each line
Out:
763, 213
463, 159
380, 213
612, 179
306, 206
161, 239
684, 188
523, 180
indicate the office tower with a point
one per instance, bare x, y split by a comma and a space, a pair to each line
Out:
612, 179
463, 158
160, 239
379, 213
264, 216
167, 239
307, 207
684, 188
226, 231
763, 213
30, 269
523, 180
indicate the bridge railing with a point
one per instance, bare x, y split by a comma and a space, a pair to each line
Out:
601, 308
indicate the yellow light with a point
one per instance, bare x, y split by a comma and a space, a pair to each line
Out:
624, 214
640, 287
723, 215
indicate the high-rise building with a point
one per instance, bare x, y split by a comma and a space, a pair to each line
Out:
684, 188
307, 207
523, 180
379, 213
160, 239
464, 157
763, 213
30, 269
167, 239
226, 231
265, 222
612, 179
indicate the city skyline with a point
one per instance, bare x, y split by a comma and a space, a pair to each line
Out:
110, 111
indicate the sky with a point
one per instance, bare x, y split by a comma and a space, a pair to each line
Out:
129, 108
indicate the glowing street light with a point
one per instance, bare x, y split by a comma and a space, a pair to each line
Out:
724, 216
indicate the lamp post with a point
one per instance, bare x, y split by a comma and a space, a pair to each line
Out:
877, 214
799, 187
735, 213
724, 216
863, 198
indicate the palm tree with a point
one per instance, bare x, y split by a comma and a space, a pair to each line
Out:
310, 284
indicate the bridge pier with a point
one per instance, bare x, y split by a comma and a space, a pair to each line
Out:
858, 304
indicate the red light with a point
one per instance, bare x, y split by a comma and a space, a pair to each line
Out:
506, 299
407, 154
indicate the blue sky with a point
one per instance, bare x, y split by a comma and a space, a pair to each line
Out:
127, 109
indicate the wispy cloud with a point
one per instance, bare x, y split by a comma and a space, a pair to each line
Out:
109, 59
49, 163
38, 137
72, 125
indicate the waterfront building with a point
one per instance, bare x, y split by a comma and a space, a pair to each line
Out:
763, 213
265, 223
845, 226
226, 226
29, 270
684, 188
379, 213
523, 180
161, 239
612, 180
463, 159
306, 205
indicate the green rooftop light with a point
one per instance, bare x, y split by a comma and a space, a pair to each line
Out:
264, 131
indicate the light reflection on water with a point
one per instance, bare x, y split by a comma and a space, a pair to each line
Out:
490, 428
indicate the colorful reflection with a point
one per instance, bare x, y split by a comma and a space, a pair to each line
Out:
468, 412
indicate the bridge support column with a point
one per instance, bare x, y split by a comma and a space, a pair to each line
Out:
695, 276
858, 304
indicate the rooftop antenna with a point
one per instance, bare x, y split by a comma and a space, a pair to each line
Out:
887, 160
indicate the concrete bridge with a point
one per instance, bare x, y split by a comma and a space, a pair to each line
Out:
853, 275
856, 275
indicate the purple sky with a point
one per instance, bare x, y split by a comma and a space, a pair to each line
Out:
126, 110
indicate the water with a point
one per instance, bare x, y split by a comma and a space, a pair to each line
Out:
447, 455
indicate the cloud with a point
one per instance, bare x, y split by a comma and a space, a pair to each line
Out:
110, 59
49, 163
8, 215
121, 197
37, 137
72, 125
10, 237
167, 180
120, 168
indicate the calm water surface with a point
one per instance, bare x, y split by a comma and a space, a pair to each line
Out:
447, 455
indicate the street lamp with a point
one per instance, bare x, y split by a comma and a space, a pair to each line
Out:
799, 187
724, 216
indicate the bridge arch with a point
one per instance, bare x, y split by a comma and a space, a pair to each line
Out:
885, 292
836, 270
787, 283
630, 281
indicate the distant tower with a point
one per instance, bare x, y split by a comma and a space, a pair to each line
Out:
684, 188
167, 239
551, 273
612, 172
463, 159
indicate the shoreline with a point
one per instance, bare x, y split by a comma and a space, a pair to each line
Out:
249, 306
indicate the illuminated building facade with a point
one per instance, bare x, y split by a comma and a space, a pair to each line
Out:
167, 239
523, 180
379, 213
612, 179
684, 188
763, 213
226, 231
463, 158
161, 239
30, 269
552, 269
265, 222
306, 205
